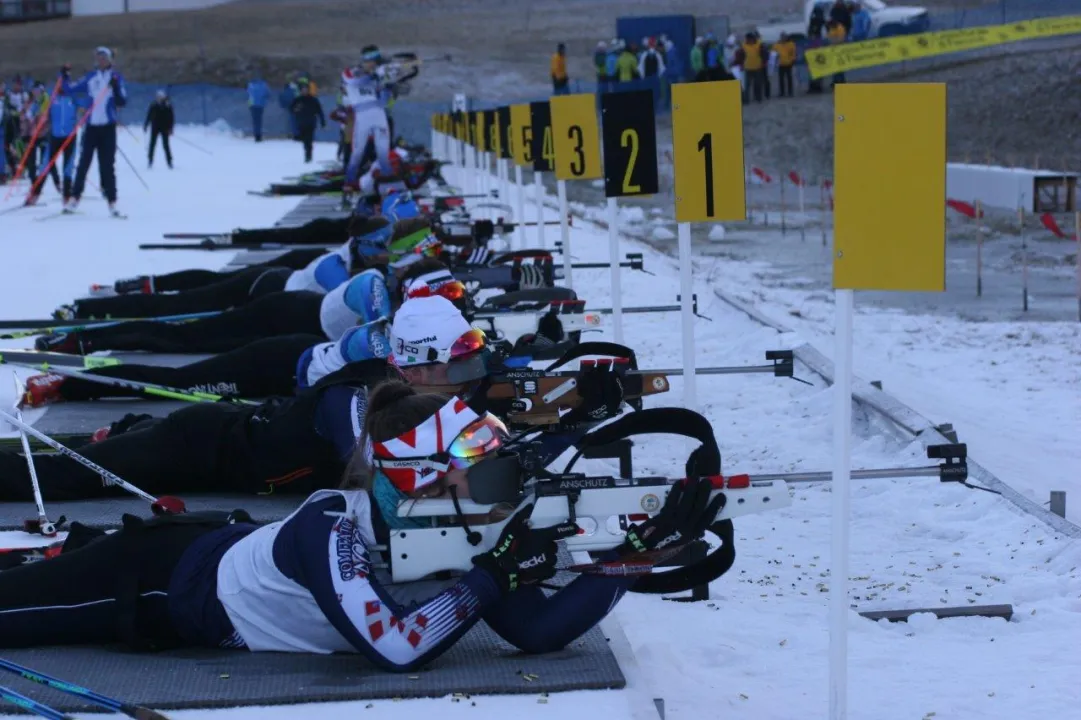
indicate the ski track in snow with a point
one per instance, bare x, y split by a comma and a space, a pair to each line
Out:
758, 648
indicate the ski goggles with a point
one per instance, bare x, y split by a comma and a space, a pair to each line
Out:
469, 342
453, 290
455, 437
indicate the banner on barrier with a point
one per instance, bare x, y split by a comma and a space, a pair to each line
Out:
885, 51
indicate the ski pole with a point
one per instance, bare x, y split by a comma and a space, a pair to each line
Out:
33, 706
91, 325
35, 189
130, 165
189, 142
163, 505
33, 142
152, 389
132, 711
44, 526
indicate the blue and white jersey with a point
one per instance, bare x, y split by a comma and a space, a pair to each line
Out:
97, 85
364, 342
324, 273
306, 584
363, 91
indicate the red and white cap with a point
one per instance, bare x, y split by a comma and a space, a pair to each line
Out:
454, 437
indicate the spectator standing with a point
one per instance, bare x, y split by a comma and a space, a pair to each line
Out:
600, 66
698, 59
308, 110
14, 100
651, 69
754, 67
611, 63
290, 92
861, 23
839, 13
626, 64
836, 35
161, 120
63, 114
258, 96
107, 92
786, 62
560, 81
35, 110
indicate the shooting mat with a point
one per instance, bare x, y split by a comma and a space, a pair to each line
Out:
312, 207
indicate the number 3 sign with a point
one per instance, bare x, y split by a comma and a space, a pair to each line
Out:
629, 136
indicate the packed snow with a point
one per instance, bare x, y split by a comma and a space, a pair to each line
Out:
758, 648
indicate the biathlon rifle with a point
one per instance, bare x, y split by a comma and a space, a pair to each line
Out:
603, 507
538, 398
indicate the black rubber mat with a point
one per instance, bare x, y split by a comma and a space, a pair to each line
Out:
106, 512
481, 663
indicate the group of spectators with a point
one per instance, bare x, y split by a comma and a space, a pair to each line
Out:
656, 63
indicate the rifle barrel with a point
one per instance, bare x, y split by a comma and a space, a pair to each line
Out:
882, 474
731, 370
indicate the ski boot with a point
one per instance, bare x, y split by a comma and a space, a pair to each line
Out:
43, 390
68, 343
71, 206
142, 284
114, 212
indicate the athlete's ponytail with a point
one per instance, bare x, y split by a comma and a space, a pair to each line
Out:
393, 409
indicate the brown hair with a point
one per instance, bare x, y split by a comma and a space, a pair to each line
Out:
363, 225
393, 408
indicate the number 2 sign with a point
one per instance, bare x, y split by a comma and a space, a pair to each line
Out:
629, 138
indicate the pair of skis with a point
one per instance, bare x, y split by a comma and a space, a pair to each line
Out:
29, 704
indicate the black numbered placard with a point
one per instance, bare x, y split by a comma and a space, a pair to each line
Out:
629, 139
544, 150
471, 128
507, 141
493, 139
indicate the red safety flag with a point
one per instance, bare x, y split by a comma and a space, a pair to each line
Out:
1050, 223
762, 175
966, 209
795, 178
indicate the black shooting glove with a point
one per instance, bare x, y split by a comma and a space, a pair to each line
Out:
523, 555
600, 389
686, 514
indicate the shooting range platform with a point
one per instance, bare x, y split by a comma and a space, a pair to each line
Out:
480, 663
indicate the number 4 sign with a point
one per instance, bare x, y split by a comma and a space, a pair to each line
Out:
707, 143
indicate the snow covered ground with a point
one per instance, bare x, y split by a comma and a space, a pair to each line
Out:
758, 648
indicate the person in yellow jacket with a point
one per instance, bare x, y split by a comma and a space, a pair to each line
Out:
786, 62
626, 64
754, 67
560, 81
835, 35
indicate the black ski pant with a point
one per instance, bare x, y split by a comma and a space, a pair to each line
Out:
259, 369
280, 313
182, 280
784, 79
238, 289
155, 133
321, 231
110, 590
307, 138
65, 163
190, 451
100, 139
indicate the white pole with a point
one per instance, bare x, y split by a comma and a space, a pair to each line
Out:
841, 502
519, 231
686, 307
613, 252
538, 188
802, 213
565, 232
435, 143
485, 177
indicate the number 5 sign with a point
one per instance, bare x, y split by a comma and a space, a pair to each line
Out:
707, 142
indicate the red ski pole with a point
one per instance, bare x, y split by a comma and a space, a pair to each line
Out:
36, 188
33, 142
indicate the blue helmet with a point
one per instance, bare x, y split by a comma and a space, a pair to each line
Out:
364, 342
368, 297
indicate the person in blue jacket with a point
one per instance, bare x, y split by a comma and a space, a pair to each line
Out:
63, 114
317, 582
107, 92
258, 95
